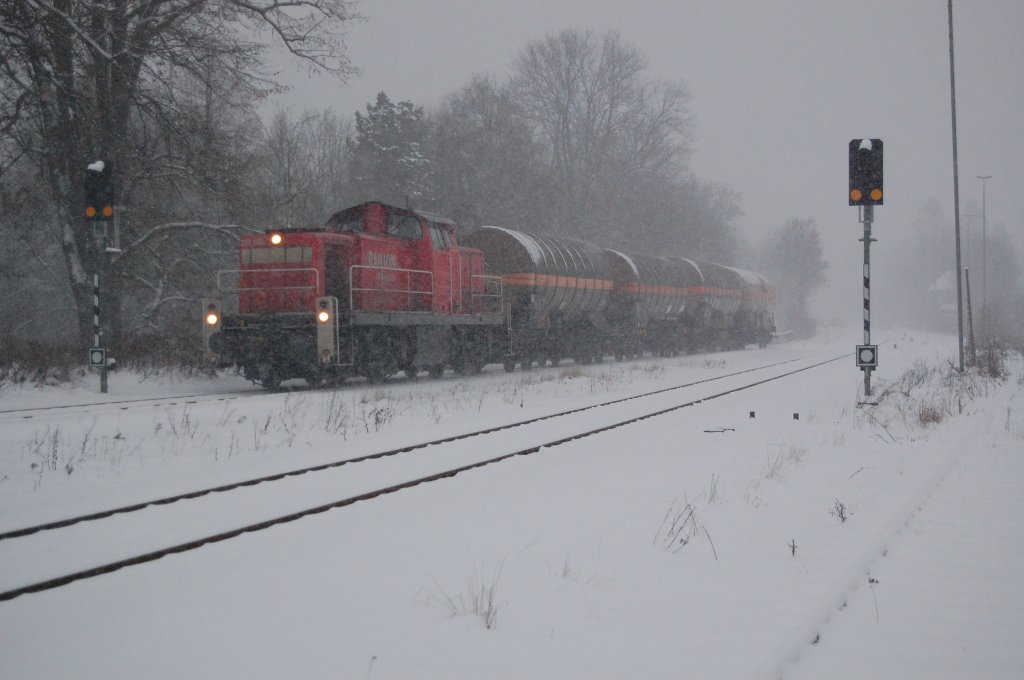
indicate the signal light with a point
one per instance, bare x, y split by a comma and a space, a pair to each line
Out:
276, 239
99, 190
866, 172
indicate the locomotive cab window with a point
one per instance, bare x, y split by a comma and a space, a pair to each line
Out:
405, 227
440, 237
352, 223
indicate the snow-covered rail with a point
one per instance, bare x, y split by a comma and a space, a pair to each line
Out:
105, 544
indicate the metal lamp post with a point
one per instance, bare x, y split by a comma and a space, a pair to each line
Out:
984, 263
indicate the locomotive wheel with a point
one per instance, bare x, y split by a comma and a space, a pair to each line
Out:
270, 379
379, 371
379, 357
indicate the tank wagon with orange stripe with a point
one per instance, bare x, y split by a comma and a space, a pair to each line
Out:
380, 289
557, 292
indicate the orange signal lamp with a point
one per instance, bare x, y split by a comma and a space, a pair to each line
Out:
108, 211
90, 212
876, 194
856, 195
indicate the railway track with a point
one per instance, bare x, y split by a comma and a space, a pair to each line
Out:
87, 408
125, 404
99, 543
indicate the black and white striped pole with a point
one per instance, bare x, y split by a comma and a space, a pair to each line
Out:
96, 310
866, 192
867, 354
99, 210
98, 353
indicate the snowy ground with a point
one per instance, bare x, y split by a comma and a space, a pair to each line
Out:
848, 542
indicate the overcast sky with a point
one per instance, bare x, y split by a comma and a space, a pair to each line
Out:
779, 88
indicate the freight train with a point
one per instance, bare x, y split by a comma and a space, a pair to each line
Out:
380, 289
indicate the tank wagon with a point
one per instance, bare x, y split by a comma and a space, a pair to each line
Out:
380, 289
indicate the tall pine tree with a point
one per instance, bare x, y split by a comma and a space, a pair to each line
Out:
387, 161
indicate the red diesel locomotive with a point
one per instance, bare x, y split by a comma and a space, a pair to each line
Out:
380, 289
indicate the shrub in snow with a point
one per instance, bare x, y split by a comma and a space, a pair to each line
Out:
926, 394
480, 598
679, 526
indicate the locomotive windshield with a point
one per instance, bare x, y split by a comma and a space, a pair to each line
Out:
348, 220
406, 227
352, 223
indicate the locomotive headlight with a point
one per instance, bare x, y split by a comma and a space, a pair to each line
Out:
276, 239
212, 314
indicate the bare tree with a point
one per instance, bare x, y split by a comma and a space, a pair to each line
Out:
487, 167
81, 80
300, 169
794, 261
605, 126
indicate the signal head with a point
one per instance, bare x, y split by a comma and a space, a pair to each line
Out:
866, 172
98, 183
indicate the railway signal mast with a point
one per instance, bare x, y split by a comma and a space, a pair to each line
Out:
866, 192
98, 184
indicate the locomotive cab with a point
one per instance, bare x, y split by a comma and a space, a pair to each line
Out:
403, 260
395, 290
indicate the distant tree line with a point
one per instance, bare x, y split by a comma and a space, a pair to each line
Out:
918, 284
577, 141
